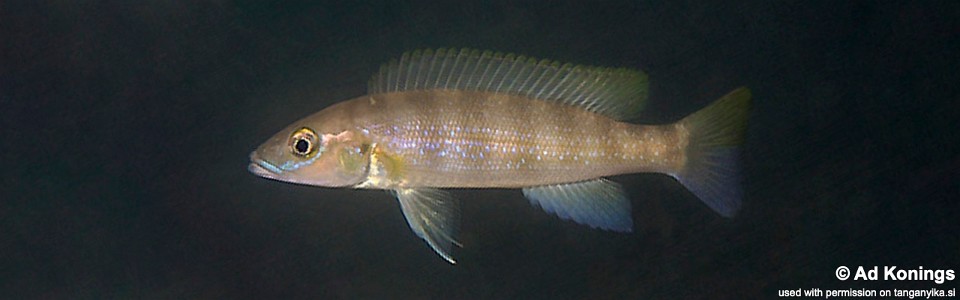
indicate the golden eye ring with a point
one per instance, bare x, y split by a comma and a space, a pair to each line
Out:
304, 142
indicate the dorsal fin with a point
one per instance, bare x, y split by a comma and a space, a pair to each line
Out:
615, 92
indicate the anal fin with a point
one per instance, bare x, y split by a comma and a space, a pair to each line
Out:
598, 203
434, 215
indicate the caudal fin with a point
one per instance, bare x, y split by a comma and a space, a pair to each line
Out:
712, 169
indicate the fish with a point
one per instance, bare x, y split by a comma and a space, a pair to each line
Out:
435, 120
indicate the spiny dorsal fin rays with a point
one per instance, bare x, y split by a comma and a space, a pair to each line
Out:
617, 93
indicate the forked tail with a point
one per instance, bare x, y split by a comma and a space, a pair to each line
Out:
712, 168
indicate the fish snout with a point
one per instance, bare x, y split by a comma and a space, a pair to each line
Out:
261, 167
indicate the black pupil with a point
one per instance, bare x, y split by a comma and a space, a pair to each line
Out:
302, 146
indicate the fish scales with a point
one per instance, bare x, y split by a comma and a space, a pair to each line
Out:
450, 138
461, 118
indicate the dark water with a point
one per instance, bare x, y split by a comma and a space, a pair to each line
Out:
126, 128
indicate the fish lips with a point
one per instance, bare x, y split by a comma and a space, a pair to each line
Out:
262, 168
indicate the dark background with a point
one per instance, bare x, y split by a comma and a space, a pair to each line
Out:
126, 127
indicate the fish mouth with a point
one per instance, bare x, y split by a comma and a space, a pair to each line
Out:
262, 168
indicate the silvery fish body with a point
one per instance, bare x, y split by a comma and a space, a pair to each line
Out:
471, 119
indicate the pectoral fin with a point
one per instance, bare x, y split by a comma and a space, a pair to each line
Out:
434, 215
597, 203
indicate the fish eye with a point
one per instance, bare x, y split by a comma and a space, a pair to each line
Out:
303, 142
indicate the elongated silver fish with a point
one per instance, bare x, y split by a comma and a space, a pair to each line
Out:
471, 119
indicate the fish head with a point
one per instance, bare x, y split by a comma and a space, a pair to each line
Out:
313, 153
